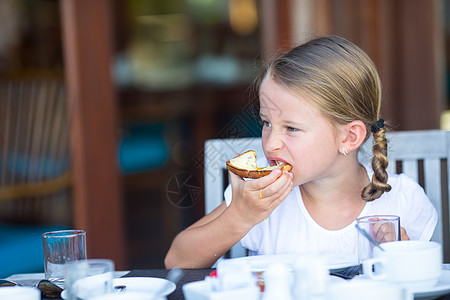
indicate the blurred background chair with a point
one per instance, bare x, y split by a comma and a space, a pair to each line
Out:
422, 155
35, 175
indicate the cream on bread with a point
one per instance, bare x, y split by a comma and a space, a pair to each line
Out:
245, 165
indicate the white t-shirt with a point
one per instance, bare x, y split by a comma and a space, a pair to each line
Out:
291, 229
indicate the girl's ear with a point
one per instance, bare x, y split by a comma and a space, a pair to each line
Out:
354, 135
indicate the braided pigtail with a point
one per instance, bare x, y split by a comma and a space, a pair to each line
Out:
379, 164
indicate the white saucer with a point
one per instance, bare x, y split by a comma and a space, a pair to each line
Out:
260, 262
150, 285
441, 288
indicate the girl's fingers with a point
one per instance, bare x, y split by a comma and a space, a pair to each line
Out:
283, 195
258, 195
263, 182
278, 186
235, 178
256, 184
385, 233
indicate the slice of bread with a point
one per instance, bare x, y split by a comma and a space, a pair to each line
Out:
245, 165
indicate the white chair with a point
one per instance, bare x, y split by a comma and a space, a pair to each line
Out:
422, 155
217, 152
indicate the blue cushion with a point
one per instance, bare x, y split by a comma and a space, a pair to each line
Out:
143, 148
21, 248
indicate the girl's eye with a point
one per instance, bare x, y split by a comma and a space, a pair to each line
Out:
266, 124
291, 129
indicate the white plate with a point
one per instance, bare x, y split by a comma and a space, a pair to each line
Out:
441, 288
260, 262
149, 285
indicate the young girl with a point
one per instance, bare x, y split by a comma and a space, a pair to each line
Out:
318, 103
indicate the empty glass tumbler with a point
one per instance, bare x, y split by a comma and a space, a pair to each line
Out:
61, 247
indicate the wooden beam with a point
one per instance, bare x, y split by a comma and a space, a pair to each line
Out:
323, 17
268, 24
276, 28
87, 39
284, 25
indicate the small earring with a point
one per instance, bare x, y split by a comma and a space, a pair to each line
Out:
344, 151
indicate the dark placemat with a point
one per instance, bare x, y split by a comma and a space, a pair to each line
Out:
188, 275
346, 273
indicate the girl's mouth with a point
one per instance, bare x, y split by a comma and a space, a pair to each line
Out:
274, 162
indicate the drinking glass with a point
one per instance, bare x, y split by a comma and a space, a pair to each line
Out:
382, 228
61, 247
89, 278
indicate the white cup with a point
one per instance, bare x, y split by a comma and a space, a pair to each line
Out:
311, 276
415, 264
361, 288
88, 278
233, 274
19, 293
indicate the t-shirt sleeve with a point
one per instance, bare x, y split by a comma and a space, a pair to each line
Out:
227, 195
252, 240
421, 216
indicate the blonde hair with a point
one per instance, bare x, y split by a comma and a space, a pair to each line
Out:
342, 81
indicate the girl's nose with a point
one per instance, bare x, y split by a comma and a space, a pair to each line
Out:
274, 142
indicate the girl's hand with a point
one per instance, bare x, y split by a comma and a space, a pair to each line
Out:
386, 233
254, 200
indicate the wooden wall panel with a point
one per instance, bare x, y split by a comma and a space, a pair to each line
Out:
404, 38
418, 75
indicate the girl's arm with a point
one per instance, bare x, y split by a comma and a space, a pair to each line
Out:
201, 244
205, 241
